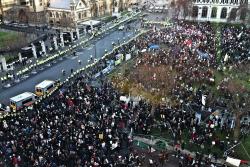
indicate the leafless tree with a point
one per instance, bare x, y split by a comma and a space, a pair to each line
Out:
179, 6
239, 104
66, 22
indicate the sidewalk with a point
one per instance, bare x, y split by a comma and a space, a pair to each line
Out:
172, 148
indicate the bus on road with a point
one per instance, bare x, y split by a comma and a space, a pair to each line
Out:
44, 87
22, 100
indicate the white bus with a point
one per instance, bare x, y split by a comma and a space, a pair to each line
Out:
44, 87
22, 100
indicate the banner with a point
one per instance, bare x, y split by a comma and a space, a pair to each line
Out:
198, 117
124, 99
203, 100
119, 56
97, 75
101, 136
232, 161
108, 69
117, 62
110, 62
128, 57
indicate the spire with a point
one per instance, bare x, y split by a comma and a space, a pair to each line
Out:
72, 2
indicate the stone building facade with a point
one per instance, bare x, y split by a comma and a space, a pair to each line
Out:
221, 10
58, 12
27, 12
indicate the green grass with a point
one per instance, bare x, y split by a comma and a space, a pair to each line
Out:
6, 37
217, 28
240, 151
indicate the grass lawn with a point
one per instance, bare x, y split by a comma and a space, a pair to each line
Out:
242, 151
6, 38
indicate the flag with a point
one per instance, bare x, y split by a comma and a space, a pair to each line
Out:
240, 34
203, 100
226, 58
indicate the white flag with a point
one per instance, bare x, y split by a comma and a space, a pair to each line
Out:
203, 100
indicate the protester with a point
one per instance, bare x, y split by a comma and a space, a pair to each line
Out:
84, 125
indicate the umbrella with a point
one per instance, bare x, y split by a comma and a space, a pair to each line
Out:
154, 47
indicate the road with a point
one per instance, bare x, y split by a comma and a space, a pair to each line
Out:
54, 72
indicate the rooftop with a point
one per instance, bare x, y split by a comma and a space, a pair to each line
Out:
21, 96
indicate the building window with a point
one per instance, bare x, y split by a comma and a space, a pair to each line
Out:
223, 13
195, 11
50, 14
243, 14
31, 3
204, 11
214, 12
79, 16
233, 14
41, 2
57, 15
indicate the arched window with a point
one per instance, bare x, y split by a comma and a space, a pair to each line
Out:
223, 13
233, 14
195, 11
214, 12
204, 11
50, 14
243, 14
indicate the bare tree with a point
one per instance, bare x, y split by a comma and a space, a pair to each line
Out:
180, 6
239, 104
66, 22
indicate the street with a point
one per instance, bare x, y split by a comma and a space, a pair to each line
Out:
54, 72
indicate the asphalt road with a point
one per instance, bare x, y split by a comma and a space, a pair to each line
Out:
54, 72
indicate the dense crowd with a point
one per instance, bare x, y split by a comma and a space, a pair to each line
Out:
82, 125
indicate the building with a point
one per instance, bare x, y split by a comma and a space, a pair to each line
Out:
72, 12
221, 10
5, 5
58, 12
27, 11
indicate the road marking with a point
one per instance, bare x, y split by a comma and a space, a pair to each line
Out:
73, 58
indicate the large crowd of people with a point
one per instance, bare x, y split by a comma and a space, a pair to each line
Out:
84, 125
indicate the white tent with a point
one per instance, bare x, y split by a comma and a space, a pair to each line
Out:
232, 161
90, 23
